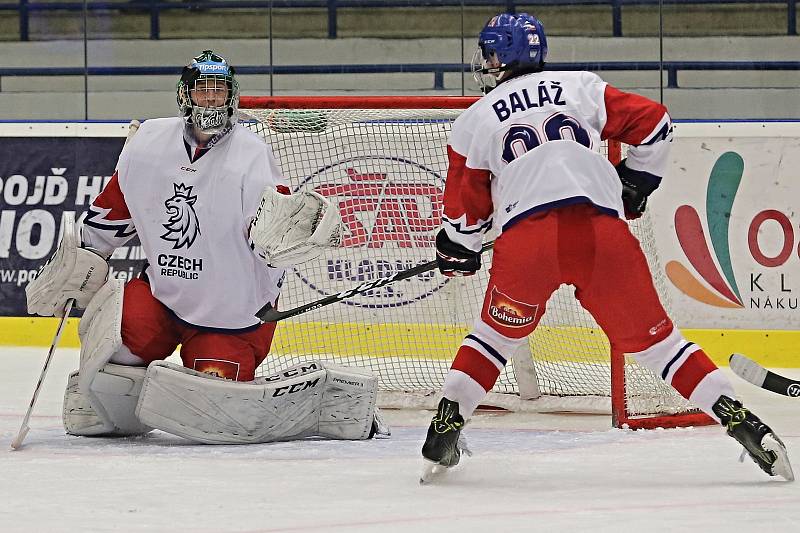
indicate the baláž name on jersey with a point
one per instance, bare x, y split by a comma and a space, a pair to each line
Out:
523, 100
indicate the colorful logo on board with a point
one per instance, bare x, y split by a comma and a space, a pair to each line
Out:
766, 270
720, 288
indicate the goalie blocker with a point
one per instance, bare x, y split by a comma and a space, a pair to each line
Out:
73, 272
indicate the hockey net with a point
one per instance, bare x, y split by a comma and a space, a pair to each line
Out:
383, 161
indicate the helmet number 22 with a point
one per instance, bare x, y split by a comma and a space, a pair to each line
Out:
522, 138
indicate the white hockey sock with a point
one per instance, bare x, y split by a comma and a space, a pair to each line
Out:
477, 365
684, 366
460, 387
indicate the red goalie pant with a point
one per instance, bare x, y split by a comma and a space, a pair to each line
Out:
152, 332
578, 245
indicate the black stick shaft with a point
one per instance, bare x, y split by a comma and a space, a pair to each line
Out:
782, 385
270, 314
749, 370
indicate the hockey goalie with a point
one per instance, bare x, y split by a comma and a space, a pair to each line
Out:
217, 227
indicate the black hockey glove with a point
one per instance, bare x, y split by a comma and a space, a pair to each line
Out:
637, 185
454, 259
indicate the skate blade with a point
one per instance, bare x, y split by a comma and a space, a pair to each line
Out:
431, 471
782, 467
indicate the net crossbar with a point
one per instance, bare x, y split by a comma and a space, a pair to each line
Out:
383, 161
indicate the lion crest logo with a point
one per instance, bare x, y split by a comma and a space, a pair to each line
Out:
182, 226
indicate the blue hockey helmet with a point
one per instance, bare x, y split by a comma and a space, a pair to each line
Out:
509, 42
213, 71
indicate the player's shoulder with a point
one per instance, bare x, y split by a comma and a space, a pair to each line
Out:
249, 148
153, 125
476, 110
580, 78
248, 137
153, 133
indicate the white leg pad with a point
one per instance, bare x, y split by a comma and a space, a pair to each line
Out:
116, 388
99, 331
348, 403
309, 399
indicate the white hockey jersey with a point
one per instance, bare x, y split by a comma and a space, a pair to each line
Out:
190, 208
534, 142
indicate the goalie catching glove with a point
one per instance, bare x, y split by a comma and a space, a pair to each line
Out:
454, 259
291, 229
72, 272
637, 185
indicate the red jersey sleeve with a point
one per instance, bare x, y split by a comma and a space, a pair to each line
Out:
644, 125
468, 207
632, 118
108, 223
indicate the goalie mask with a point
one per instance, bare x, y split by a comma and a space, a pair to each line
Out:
507, 46
208, 93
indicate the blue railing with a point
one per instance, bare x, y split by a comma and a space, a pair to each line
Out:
437, 69
155, 7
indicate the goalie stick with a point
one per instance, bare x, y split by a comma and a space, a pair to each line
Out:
749, 370
16, 444
133, 127
270, 314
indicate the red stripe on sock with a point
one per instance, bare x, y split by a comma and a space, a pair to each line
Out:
475, 365
692, 371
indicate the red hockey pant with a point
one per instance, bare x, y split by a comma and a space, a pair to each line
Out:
581, 246
152, 332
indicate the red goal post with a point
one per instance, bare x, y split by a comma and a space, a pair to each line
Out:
383, 160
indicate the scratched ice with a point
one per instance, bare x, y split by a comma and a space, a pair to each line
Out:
528, 473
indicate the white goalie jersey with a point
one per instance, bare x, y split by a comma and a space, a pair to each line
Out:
190, 207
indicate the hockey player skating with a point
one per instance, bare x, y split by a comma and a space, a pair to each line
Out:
525, 159
217, 226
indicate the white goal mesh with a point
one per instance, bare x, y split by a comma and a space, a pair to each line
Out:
385, 167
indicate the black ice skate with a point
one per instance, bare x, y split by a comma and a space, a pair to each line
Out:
444, 443
763, 446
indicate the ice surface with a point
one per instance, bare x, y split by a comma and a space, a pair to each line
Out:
528, 473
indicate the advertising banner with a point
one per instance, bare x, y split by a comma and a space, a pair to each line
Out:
40, 178
726, 219
728, 228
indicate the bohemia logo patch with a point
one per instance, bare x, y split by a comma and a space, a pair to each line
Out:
509, 312
182, 226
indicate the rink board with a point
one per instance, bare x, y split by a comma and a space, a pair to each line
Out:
745, 257
774, 348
